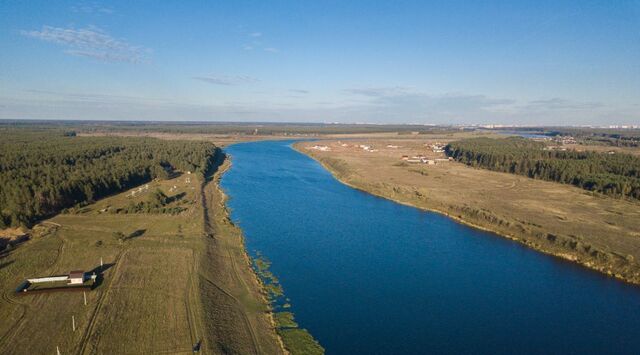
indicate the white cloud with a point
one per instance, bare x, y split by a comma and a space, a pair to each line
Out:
226, 79
271, 49
91, 7
379, 91
91, 42
255, 34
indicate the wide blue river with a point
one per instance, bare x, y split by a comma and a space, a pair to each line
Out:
370, 276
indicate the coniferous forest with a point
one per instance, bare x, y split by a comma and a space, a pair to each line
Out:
611, 174
43, 172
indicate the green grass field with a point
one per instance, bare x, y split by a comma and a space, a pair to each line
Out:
155, 293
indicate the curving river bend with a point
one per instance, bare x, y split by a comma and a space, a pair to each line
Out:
366, 275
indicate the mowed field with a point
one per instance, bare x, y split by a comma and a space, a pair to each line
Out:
600, 232
152, 288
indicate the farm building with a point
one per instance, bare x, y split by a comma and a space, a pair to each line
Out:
76, 277
73, 281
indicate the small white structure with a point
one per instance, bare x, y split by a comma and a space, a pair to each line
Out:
76, 277
323, 148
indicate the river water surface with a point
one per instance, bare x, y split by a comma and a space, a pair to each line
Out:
369, 276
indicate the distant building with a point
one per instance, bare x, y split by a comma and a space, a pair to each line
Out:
323, 148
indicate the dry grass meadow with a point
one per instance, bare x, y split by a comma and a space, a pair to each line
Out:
599, 232
170, 282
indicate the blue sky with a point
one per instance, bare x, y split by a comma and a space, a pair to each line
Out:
519, 62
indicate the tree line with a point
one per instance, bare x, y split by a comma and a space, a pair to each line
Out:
610, 174
43, 172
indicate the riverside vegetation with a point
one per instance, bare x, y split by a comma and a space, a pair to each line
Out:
296, 340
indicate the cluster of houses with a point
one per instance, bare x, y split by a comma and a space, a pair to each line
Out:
560, 140
436, 147
138, 190
367, 148
322, 148
421, 159
565, 140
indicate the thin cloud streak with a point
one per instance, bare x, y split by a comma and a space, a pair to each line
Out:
226, 79
90, 42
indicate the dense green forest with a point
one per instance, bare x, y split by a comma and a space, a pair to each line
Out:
230, 128
610, 174
45, 171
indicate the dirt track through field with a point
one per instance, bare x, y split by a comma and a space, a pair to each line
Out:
92, 321
209, 231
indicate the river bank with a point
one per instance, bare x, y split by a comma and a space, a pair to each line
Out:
238, 314
461, 193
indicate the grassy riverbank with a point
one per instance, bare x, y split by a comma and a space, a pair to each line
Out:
598, 232
171, 282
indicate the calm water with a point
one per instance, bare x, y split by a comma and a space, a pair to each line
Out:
366, 275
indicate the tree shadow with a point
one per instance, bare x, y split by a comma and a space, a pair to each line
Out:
218, 158
176, 197
3, 265
136, 234
7, 246
99, 271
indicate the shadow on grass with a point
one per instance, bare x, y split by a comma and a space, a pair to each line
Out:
99, 271
9, 245
135, 234
176, 197
3, 265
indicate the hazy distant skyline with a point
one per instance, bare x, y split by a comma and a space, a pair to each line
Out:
507, 62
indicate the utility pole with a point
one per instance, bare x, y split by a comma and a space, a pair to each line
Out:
57, 351
85, 297
73, 322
